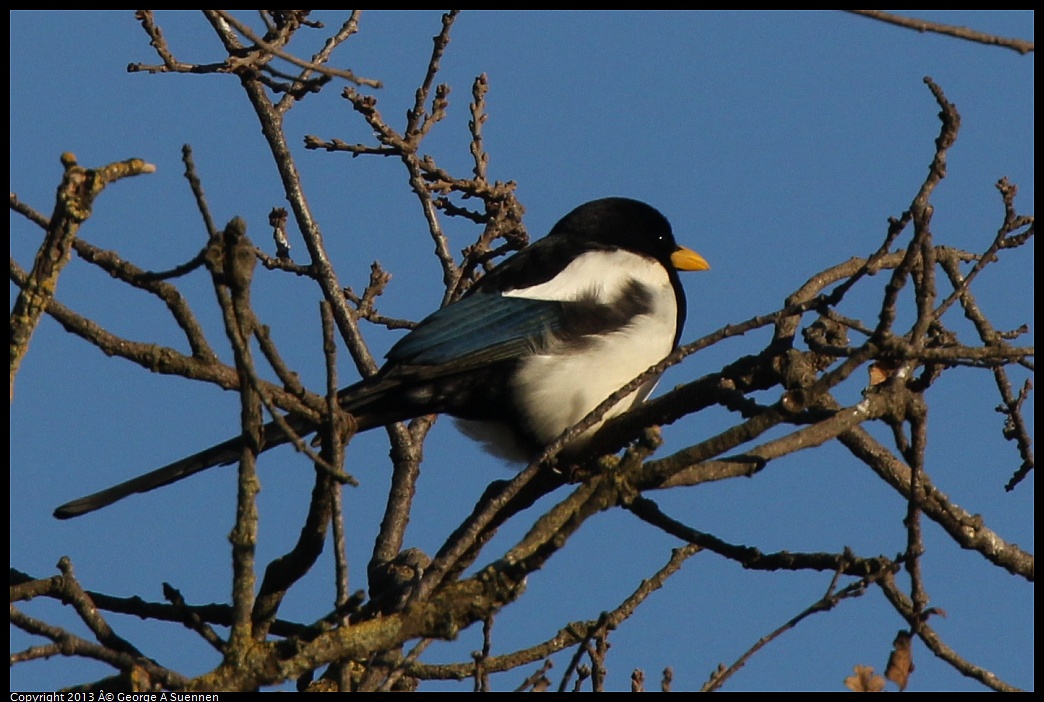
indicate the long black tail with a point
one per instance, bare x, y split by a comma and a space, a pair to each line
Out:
376, 401
223, 454
370, 401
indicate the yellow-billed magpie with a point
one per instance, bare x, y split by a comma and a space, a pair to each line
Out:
530, 350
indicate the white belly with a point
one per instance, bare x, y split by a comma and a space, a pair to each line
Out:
556, 392
557, 389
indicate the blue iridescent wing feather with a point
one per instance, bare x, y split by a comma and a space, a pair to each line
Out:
480, 329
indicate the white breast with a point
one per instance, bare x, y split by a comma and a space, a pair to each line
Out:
557, 390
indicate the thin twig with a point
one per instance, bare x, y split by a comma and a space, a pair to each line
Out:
1020, 45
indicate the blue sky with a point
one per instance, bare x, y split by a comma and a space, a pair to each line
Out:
776, 143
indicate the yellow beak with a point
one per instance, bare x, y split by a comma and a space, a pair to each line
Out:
688, 260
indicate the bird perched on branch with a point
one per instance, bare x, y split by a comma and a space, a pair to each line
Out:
529, 351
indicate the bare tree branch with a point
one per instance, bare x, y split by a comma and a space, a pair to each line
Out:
1020, 45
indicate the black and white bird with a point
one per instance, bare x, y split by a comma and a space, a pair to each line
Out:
529, 351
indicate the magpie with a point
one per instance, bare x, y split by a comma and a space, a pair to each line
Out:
535, 344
